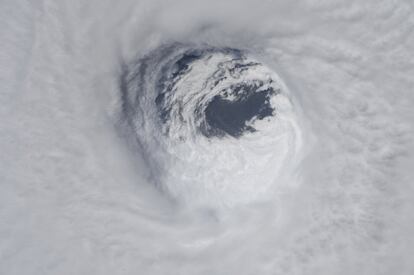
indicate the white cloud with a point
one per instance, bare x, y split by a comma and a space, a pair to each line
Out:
75, 198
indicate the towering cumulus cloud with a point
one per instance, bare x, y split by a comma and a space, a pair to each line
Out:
206, 137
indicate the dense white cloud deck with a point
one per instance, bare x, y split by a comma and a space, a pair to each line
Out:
76, 192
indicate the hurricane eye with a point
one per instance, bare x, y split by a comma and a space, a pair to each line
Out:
202, 113
224, 91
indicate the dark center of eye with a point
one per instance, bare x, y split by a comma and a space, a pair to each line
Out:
229, 113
